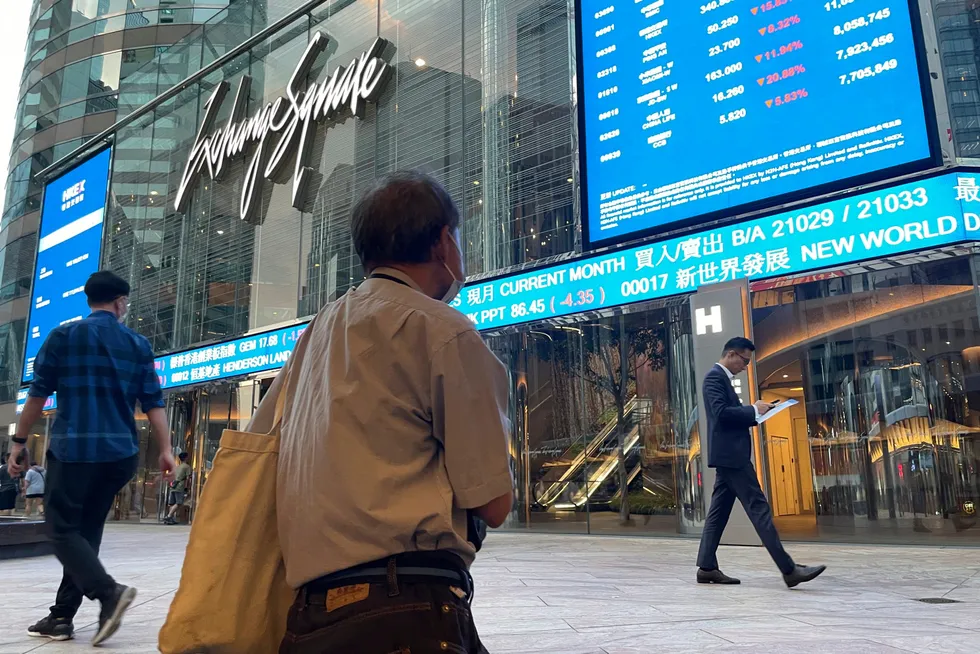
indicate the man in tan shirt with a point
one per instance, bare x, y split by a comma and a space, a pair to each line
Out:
397, 429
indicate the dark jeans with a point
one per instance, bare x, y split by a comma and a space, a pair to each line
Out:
77, 498
423, 617
741, 483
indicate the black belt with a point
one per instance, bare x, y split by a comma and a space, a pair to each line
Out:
424, 567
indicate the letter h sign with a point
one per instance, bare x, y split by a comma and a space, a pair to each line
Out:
704, 319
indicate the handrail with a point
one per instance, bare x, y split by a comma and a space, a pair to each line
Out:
172, 92
551, 494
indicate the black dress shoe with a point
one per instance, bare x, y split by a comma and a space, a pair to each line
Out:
715, 577
803, 574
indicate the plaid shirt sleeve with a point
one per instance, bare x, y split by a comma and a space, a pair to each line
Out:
46, 365
151, 397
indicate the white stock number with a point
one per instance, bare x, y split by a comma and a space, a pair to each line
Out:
522, 309
644, 285
805, 222
893, 203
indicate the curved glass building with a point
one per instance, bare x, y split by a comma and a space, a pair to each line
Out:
78, 53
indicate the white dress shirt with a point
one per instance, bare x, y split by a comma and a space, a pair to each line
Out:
731, 377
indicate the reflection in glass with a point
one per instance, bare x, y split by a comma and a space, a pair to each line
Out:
883, 443
603, 425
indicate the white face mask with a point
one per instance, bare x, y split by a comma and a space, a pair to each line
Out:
458, 284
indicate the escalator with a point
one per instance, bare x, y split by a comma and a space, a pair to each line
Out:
575, 492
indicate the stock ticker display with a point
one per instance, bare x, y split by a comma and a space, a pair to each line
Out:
242, 356
694, 107
928, 213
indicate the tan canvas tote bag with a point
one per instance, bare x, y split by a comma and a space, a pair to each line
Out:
233, 597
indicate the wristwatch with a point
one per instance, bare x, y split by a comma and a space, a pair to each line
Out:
19, 441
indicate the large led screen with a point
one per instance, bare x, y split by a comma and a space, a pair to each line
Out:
68, 251
925, 214
705, 108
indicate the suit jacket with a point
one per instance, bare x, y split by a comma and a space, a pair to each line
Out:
729, 440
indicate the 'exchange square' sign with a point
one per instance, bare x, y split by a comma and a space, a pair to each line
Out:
292, 119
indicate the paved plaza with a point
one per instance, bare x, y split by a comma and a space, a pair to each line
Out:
578, 595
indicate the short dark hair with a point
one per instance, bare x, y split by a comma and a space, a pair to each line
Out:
182, 456
739, 343
104, 287
400, 218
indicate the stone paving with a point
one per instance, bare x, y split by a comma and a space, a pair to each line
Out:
578, 594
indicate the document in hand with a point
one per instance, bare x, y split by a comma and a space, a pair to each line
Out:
782, 406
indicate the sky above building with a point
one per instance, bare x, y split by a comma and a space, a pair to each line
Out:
13, 37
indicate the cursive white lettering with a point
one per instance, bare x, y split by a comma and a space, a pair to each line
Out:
292, 119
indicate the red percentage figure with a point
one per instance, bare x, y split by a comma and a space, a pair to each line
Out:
780, 25
792, 96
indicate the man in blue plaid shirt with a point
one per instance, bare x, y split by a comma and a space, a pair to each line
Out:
99, 368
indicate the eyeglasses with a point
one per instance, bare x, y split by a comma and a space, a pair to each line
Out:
745, 360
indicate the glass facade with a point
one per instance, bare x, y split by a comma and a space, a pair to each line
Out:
78, 54
883, 445
605, 414
881, 356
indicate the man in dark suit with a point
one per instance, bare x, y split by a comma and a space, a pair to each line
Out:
730, 454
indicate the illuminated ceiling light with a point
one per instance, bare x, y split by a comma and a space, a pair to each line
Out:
785, 376
154, 193
221, 232
476, 182
420, 62
570, 180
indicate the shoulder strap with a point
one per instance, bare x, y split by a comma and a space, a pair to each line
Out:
287, 385
389, 278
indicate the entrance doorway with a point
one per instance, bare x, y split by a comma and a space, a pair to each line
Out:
787, 450
197, 419
221, 407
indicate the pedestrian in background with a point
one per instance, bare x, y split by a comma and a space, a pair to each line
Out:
100, 369
34, 490
178, 489
398, 427
10, 483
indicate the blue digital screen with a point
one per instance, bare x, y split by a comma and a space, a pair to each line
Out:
243, 356
700, 107
68, 251
50, 404
927, 213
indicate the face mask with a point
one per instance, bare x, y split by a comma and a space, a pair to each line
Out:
122, 308
457, 285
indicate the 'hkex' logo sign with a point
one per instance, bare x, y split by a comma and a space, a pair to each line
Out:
72, 195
